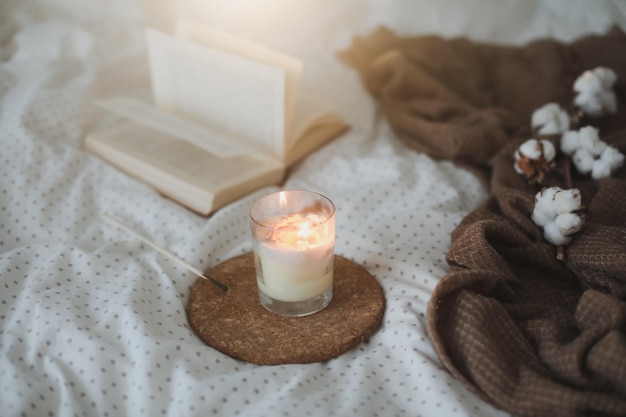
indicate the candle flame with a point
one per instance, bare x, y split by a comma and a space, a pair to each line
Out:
304, 230
282, 199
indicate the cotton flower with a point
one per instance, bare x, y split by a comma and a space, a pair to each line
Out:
591, 155
560, 213
534, 158
595, 95
550, 119
610, 160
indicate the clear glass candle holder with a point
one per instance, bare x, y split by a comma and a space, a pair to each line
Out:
293, 236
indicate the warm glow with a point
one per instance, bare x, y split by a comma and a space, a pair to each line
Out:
304, 230
268, 22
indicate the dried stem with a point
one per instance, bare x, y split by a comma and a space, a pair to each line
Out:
567, 173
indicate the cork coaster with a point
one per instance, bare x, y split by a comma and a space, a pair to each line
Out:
235, 322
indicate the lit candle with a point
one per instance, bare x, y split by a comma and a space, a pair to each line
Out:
294, 237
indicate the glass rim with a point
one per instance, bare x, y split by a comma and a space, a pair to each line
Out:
323, 197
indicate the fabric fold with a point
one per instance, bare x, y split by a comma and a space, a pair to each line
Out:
531, 334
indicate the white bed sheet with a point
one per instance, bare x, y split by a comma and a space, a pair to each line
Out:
92, 321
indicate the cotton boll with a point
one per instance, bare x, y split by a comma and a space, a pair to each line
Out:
607, 77
610, 160
590, 154
545, 210
549, 152
552, 234
568, 223
609, 101
535, 149
588, 82
570, 141
589, 104
595, 92
550, 119
587, 136
534, 158
590, 140
583, 160
613, 157
566, 201
531, 149
600, 170
541, 218
559, 212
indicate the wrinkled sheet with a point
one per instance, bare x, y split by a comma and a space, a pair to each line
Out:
93, 322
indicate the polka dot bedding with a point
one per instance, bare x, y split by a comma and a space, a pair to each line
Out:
93, 321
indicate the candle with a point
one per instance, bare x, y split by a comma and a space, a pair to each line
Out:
293, 241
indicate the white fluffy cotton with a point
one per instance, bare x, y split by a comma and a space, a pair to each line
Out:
583, 161
610, 160
557, 211
595, 95
550, 119
591, 155
541, 152
535, 149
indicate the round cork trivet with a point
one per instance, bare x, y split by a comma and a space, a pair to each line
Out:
235, 323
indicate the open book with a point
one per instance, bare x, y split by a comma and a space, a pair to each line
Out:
226, 119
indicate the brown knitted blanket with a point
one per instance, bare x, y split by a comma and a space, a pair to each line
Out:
528, 333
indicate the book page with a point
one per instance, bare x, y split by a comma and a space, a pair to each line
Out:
180, 170
315, 124
214, 38
198, 135
306, 112
234, 95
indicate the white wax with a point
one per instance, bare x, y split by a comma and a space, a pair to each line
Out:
295, 269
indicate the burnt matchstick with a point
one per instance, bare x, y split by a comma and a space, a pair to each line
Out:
170, 255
